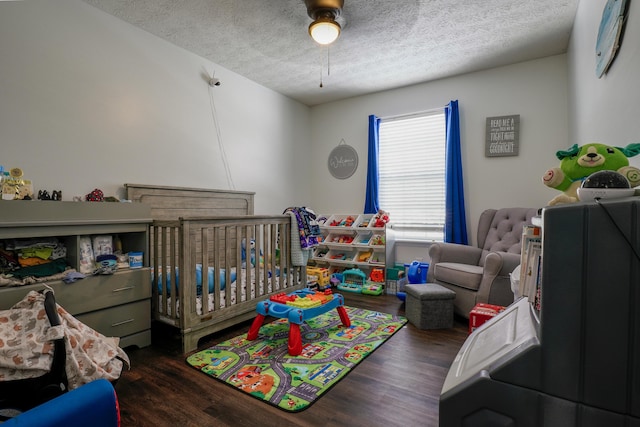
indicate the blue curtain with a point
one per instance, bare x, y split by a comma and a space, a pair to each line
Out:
455, 226
371, 203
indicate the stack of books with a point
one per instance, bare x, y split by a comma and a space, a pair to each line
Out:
531, 264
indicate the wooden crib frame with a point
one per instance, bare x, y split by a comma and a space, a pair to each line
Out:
213, 242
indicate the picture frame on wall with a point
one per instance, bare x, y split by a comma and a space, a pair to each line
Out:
502, 137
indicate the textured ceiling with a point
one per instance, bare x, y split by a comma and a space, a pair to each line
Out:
384, 44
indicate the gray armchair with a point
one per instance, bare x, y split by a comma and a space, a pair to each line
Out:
481, 274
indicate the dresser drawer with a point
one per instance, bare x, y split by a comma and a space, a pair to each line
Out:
91, 293
121, 320
101, 291
10, 296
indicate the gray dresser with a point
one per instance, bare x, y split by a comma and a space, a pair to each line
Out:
118, 304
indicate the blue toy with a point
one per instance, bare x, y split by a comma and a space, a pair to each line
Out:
222, 279
252, 252
416, 274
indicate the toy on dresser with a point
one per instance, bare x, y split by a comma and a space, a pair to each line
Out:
578, 163
15, 186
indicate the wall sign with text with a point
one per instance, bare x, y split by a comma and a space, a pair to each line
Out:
343, 161
503, 136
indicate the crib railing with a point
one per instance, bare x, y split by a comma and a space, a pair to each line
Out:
235, 260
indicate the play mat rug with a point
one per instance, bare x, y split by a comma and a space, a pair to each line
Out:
264, 369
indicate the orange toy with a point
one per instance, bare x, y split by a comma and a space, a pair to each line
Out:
377, 275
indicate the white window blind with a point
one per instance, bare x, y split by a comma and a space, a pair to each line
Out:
411, 174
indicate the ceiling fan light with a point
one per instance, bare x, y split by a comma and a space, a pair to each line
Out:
324, 30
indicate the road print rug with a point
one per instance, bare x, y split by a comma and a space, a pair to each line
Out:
264, 369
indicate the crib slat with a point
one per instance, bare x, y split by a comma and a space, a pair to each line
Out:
226, 232
204, 250
242, 235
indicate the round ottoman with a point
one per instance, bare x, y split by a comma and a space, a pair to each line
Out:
429, 306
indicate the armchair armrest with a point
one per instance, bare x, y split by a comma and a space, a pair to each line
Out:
500, 263
496, 283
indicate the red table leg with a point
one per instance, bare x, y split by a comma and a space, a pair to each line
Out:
295, 340
255, 327
344, 316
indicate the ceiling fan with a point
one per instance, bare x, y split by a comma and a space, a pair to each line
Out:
324, 29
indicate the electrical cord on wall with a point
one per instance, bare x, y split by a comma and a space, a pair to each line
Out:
225, 162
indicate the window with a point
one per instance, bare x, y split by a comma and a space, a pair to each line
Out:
412, 172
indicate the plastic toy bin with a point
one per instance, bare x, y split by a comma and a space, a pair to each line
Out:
377, 258
362, 239
340, 255
339, 238
342, 221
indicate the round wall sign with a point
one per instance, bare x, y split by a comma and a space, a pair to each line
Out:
343, 161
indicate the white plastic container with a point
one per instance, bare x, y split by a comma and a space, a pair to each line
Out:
135, 259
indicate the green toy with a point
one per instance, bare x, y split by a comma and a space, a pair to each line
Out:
577, 163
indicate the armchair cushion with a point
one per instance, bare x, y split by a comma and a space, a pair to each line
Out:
464, 275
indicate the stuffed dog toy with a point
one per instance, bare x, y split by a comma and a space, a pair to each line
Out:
577, 163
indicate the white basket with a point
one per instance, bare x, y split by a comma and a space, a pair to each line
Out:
338, 221
363, 221
368, 253
320, 253
377, 240
340, 256
339, 239
362, 239
377, 258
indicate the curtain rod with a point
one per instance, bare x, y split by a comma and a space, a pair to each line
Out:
417, 113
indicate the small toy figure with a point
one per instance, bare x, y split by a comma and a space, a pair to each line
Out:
364, 256
95, 196
347, 222
380, 219
378, 240
15, 187
345, 239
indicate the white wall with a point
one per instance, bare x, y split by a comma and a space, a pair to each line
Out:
537, 90
88, 101
606, 109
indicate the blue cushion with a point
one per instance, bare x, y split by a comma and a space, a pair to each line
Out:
94, 404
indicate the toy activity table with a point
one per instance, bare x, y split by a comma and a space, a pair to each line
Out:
297, 307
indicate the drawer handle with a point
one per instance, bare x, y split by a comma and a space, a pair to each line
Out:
122, 323
127, 288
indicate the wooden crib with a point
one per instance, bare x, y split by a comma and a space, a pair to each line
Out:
212, 260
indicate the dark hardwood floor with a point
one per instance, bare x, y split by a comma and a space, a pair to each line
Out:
398, 385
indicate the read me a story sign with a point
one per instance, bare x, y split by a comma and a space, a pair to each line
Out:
503, 136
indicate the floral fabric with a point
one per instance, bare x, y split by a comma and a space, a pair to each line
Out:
26, 345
